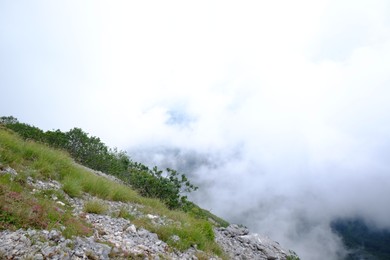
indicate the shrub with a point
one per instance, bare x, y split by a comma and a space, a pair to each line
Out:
153, 184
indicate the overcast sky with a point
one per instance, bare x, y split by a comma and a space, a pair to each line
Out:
287, 102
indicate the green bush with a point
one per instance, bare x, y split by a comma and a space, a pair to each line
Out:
153, 184
27, 131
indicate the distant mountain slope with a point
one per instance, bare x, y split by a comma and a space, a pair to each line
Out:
363, 241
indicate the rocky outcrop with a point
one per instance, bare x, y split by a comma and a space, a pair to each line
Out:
238, 243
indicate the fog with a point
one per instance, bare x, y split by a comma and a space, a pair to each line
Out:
286, 178
278, 111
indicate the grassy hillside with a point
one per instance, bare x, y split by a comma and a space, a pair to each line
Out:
22, 207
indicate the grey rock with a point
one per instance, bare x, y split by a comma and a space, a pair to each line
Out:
143, 232
238, 243
235, 230
38, 257
54, 235
8, 170
31, 232
131, 229
48, 251
175, 238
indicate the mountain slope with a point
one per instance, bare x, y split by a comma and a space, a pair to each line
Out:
51, 207
363, 241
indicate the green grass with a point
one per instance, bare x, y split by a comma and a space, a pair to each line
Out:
97, 186
72, 187
123, 193
19, 154
124, 213
95, 206
18, 208
200, 213
190, 231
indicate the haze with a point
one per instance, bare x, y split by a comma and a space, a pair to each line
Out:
278, 110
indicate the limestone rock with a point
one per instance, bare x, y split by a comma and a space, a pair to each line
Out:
8, 170
238, 243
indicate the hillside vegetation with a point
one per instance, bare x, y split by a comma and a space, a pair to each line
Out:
54, 155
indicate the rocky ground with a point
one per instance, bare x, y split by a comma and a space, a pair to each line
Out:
119, 238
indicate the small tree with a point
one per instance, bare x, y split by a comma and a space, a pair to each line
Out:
56, 139
77, 144
8, 120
